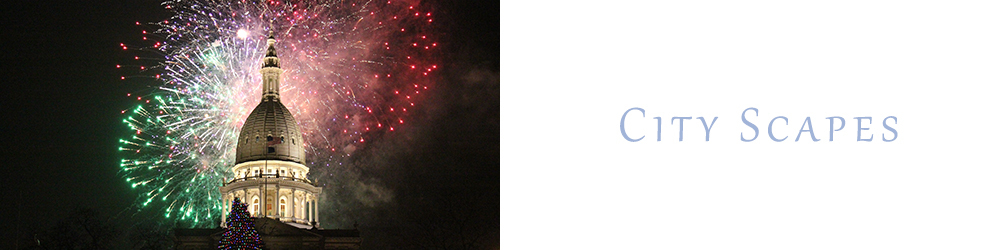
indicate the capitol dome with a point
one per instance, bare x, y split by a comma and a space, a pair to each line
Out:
269, 173
270, 133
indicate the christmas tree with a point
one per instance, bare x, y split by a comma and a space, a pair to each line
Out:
240, 233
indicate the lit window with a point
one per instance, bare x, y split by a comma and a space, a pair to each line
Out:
281, 206
256, 205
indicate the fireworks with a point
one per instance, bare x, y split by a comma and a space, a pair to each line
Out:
352, 72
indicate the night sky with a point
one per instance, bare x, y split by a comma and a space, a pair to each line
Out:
62, 121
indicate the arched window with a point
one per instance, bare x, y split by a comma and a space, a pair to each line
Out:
281, 207
255, 205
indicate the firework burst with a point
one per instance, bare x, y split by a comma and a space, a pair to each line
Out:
353, 69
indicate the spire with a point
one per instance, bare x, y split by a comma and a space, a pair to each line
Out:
271, 71
271, 58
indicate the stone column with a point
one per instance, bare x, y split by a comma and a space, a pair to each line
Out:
309, 208
263, 198
225, 210
277, 196
245, 196
315, 214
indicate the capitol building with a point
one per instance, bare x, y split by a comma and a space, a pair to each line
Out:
269, 175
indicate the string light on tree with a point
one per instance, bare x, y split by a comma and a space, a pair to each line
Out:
240, 232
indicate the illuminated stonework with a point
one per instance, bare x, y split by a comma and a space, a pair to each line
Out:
269, 174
